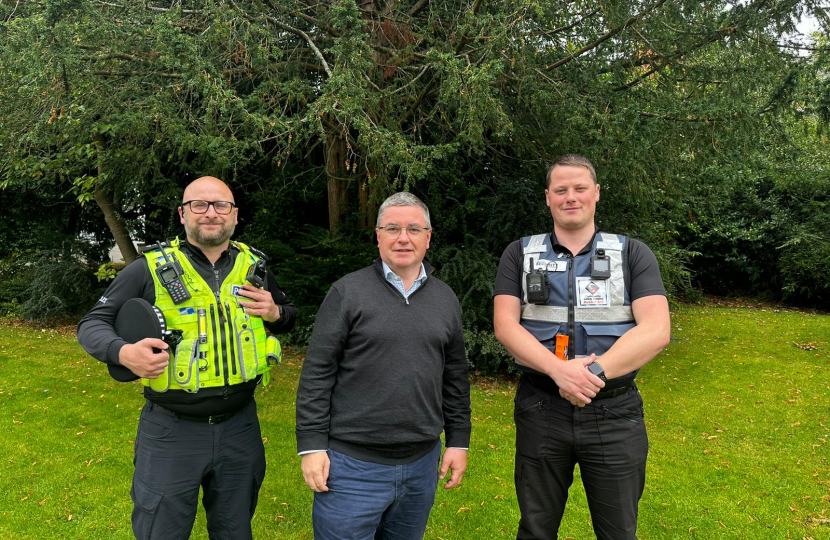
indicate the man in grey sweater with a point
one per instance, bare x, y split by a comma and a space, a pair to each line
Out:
384, 375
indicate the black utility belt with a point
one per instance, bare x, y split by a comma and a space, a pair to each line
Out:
546, 384
213, 419
604, 394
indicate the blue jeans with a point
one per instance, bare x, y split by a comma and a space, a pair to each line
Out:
367, 501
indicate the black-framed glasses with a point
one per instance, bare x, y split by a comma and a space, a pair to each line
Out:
394, 231
201, 207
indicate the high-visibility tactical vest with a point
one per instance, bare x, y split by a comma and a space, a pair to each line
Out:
594, 313
231, 347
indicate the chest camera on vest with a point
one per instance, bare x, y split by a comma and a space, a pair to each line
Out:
600, 265
538, 286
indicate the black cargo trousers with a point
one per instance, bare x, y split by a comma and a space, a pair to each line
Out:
175, 457
607, 438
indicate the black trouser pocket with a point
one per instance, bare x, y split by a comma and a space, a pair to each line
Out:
532, 416
146, 501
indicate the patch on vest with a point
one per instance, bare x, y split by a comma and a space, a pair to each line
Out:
591, 292
235, 289
187, 311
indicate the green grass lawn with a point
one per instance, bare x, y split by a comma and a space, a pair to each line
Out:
738, 411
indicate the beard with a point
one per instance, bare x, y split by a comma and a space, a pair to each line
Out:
202, 238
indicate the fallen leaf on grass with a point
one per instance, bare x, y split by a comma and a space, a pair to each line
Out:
463, 509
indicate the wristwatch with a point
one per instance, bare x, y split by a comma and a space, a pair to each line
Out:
597, 370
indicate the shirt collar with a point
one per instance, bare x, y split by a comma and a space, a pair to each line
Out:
560, 248
386, 271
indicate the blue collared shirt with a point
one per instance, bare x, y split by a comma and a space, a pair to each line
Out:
396, 280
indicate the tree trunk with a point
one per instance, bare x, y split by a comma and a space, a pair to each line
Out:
111, 211
337, 184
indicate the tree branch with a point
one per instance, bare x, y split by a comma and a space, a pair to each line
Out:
298, 32
605, 37
136, 74
418, 7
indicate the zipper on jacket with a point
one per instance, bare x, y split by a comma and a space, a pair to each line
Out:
215, 344
571, 316
223, 334
232, 332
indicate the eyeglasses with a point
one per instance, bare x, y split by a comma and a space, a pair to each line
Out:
201, 207
394, 231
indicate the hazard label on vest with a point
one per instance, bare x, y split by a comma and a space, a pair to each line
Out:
591, 292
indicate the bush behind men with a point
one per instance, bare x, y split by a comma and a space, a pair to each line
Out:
607, 311
201, 430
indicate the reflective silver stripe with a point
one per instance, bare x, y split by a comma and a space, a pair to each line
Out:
613, 314
609, 241
612, 245
536, 244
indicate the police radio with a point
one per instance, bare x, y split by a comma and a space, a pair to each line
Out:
170, 275
257, 274
538, 286
600, 265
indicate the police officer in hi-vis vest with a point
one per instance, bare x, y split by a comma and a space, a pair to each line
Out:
199, 427
581, 311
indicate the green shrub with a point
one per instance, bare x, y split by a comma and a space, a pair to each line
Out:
61, 285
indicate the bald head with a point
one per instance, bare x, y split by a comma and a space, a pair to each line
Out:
207, 184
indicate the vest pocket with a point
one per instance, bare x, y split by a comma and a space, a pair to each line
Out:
273, 353
600, 337
246, 347
186, 366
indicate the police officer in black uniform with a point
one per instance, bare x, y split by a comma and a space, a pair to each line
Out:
581, 311
199, 431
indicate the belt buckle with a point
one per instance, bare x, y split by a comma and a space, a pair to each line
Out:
211, 420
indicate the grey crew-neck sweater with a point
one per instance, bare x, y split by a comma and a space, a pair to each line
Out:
384, 375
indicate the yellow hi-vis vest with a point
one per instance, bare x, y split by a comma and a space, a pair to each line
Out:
231, 347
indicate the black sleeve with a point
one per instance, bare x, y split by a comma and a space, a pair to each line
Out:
96, 332
289, 311
509, 276
644, 271
319, 373
456, 387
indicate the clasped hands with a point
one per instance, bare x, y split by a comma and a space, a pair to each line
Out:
576, 383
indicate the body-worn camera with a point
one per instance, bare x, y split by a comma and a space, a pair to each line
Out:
538, 286
257, 274
600, 265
